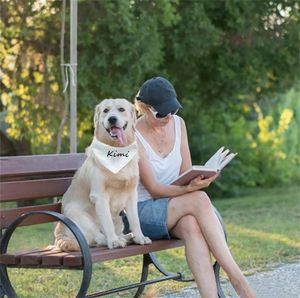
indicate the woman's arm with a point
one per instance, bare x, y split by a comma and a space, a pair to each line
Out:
158, 190
199, 182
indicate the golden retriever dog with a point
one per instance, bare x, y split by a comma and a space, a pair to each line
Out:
106, 183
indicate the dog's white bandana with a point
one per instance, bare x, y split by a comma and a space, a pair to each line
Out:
113, 158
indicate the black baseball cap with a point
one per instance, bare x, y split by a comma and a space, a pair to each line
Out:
160, 94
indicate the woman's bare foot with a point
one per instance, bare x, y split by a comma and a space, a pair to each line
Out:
243, 288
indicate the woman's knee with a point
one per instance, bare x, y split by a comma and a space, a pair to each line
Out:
194, 204
188, 226
202, 202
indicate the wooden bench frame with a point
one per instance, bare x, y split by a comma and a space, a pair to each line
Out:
48, 176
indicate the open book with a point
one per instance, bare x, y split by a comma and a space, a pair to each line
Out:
214, 165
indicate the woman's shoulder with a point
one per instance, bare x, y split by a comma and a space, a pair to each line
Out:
183, 128
181, 120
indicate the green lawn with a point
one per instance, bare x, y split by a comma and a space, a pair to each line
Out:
263, 228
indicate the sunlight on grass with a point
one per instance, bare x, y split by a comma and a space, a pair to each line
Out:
264, 235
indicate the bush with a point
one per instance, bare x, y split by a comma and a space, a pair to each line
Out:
266, 139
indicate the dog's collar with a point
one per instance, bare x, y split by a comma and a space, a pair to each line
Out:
113, 158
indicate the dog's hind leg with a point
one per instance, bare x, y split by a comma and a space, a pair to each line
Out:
119, 229
128, 238
64, 238
64, 241
89, 227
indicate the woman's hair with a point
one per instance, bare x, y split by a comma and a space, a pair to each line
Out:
140, 106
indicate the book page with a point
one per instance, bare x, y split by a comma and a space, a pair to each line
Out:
220, 159
214, 161
227, 160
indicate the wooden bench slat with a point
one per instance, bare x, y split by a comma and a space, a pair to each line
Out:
33, 189
101, 254
49, 257
54, 259
14, 258
73, 260
35, 258
40, 164
132, 250
9, 215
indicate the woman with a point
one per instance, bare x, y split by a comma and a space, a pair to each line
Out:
184, 212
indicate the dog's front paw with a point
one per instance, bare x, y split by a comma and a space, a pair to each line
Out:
118, 242
142, 240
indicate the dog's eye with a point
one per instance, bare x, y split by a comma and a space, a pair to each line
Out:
121, 109
105, 111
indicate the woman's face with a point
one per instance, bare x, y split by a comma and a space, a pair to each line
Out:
158, 121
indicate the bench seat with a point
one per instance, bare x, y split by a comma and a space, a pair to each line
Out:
50, 257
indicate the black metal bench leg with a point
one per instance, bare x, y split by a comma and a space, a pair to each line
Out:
6, 284
160, 268
84, 248
144, 275
216, 268
217, 276
216, 264
86, 278
2, 293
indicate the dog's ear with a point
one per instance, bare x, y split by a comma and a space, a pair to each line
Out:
96, 115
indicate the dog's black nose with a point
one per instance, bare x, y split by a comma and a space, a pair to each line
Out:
112, 120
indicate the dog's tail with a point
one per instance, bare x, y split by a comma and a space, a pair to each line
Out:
63, 242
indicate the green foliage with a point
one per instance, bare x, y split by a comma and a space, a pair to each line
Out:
277, 144
266, 139
232, 62
122, 43
29, 70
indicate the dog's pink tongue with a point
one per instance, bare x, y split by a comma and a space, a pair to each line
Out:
119, 132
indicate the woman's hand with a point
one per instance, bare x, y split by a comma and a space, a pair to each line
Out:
201, 182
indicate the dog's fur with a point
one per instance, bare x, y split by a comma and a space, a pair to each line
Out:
96, 196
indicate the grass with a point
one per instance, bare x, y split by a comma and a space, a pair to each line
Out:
263, 229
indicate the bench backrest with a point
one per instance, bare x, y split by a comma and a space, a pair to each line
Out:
35, 177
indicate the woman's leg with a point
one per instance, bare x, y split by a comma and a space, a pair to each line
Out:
197, 255
198, 204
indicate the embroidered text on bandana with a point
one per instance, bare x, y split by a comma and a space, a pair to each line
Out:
113, 158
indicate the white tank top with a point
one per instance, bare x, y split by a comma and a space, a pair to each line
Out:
166, 169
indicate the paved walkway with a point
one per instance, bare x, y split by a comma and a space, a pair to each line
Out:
282, 281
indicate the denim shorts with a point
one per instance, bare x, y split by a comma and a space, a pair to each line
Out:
153, 218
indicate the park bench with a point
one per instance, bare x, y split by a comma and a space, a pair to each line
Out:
24, 178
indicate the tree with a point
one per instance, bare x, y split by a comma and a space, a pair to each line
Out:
224, 58
30, 78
